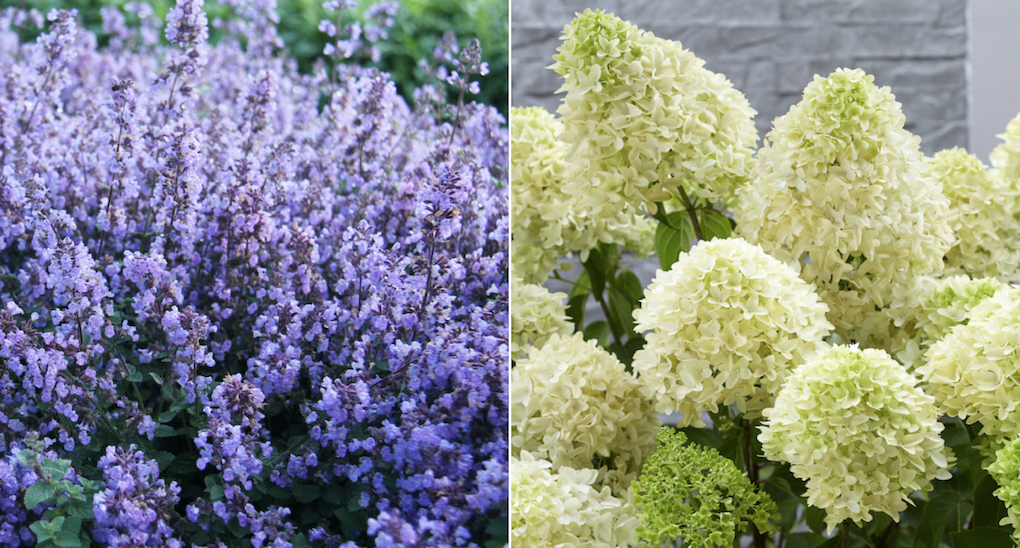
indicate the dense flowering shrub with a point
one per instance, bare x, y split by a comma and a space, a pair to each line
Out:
832, 329
244, 306
726, 324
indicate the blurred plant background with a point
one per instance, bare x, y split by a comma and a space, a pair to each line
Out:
419, 26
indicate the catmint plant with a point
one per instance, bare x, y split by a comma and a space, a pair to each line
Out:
241, 305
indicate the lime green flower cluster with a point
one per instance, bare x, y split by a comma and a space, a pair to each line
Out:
549, 224
535, 315
643, 116
727, 323
1006, 156
574, 404
942, 304
694, 493
973, 372
840, 192
564, 509
853, 424
1005, 470
987, 234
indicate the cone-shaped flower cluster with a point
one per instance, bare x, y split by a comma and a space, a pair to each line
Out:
727, 323
643, 116
696, 494
535, 315
854, 425
1006, 156
575, 405
839, 191
987, 234
941, 304
973, 372
1006, 472
564, 509
548, 223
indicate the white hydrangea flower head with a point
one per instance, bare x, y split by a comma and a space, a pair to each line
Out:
839, 191
942, 304
535, 315
575, 405
974, 371
987, 234
1006, 471
1006, 156
549, 224
727, 324
565, 509
643, 116
855, 426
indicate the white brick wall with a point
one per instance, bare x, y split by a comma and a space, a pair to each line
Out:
770, 49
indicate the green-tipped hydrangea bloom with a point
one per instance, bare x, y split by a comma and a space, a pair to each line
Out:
987, 234
694, 493
855, 426
941, 304
727, 324
1006, 472
564, 509
1006, 156
549, 224
974, 371
839, 190
643, 116
535, 315
575, 405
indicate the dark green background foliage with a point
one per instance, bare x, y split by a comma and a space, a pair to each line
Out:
419, 25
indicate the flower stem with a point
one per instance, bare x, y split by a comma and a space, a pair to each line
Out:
691, 213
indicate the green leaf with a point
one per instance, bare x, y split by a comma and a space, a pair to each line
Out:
804, 540
56, 469
788, 514
72, 524
575, 310
598, 331
596, 267
815, 519
582, 285
673, 238
983, 537
165, 431
44, 530
629, 283
716, 225
938, 513
732, 449
41, 492
306, 493
988, 509
621, 310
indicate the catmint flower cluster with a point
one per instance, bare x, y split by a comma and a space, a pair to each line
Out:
247, 305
